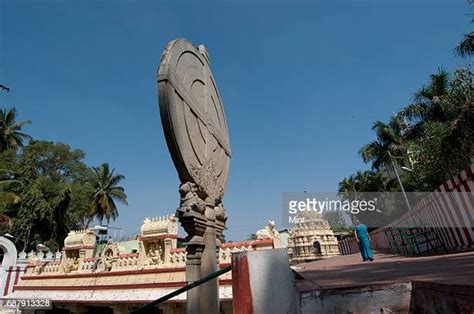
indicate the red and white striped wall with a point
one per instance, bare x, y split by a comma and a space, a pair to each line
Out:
448, 211
10, 276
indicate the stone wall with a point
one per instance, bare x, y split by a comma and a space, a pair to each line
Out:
385, 298
428, 297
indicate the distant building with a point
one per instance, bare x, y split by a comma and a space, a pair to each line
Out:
311, 239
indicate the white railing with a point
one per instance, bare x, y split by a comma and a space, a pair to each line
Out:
24, 257
129, 261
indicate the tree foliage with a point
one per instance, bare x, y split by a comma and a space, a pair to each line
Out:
465, 47
46, 189
54, 190
11, 135
107, 191
428, 141
433, 137
389, 143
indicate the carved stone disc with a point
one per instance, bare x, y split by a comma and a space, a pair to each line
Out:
193, 117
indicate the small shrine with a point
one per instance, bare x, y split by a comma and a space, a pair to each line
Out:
311, 239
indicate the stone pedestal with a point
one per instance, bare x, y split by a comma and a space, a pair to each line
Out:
193, 273
197, 215
201, 261
209, 291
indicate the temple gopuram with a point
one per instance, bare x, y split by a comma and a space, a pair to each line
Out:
311, 239
121, 276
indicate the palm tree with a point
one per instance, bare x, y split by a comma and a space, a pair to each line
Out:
347, 185
365, 181
429, 104
106, 193
11, 136
356, 186
466, 46
389, 144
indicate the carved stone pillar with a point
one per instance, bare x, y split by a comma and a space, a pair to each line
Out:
195, 128
209, 298
191, 214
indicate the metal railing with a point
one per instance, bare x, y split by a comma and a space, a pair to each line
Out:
151, 307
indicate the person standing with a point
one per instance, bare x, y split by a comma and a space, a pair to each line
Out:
362, 237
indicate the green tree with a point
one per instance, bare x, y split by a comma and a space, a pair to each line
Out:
389, 143
366, 181
466, 47
107, 191
7, 181
446, 146
361, 186
426, 150
11, 136
457, 148
55, 191
429, 105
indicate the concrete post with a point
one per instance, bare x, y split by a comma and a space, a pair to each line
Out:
262, 282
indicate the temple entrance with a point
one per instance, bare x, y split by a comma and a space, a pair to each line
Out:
317, 247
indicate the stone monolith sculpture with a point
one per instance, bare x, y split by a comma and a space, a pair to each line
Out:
195, 128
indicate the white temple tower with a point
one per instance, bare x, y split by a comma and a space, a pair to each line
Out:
311, 239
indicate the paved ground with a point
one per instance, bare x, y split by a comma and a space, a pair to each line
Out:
350, 271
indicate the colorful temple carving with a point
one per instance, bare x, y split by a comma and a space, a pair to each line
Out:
311, 239
122, 275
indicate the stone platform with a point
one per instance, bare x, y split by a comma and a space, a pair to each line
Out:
349, 270
391, 283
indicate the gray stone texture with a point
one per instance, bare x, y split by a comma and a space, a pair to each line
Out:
195, 128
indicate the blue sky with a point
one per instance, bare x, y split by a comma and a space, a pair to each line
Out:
301, 82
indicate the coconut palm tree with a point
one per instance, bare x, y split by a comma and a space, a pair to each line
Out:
11, 136
466, 46
389, 144
365, 181
429, 105
347, 185
357, 185
107, 192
